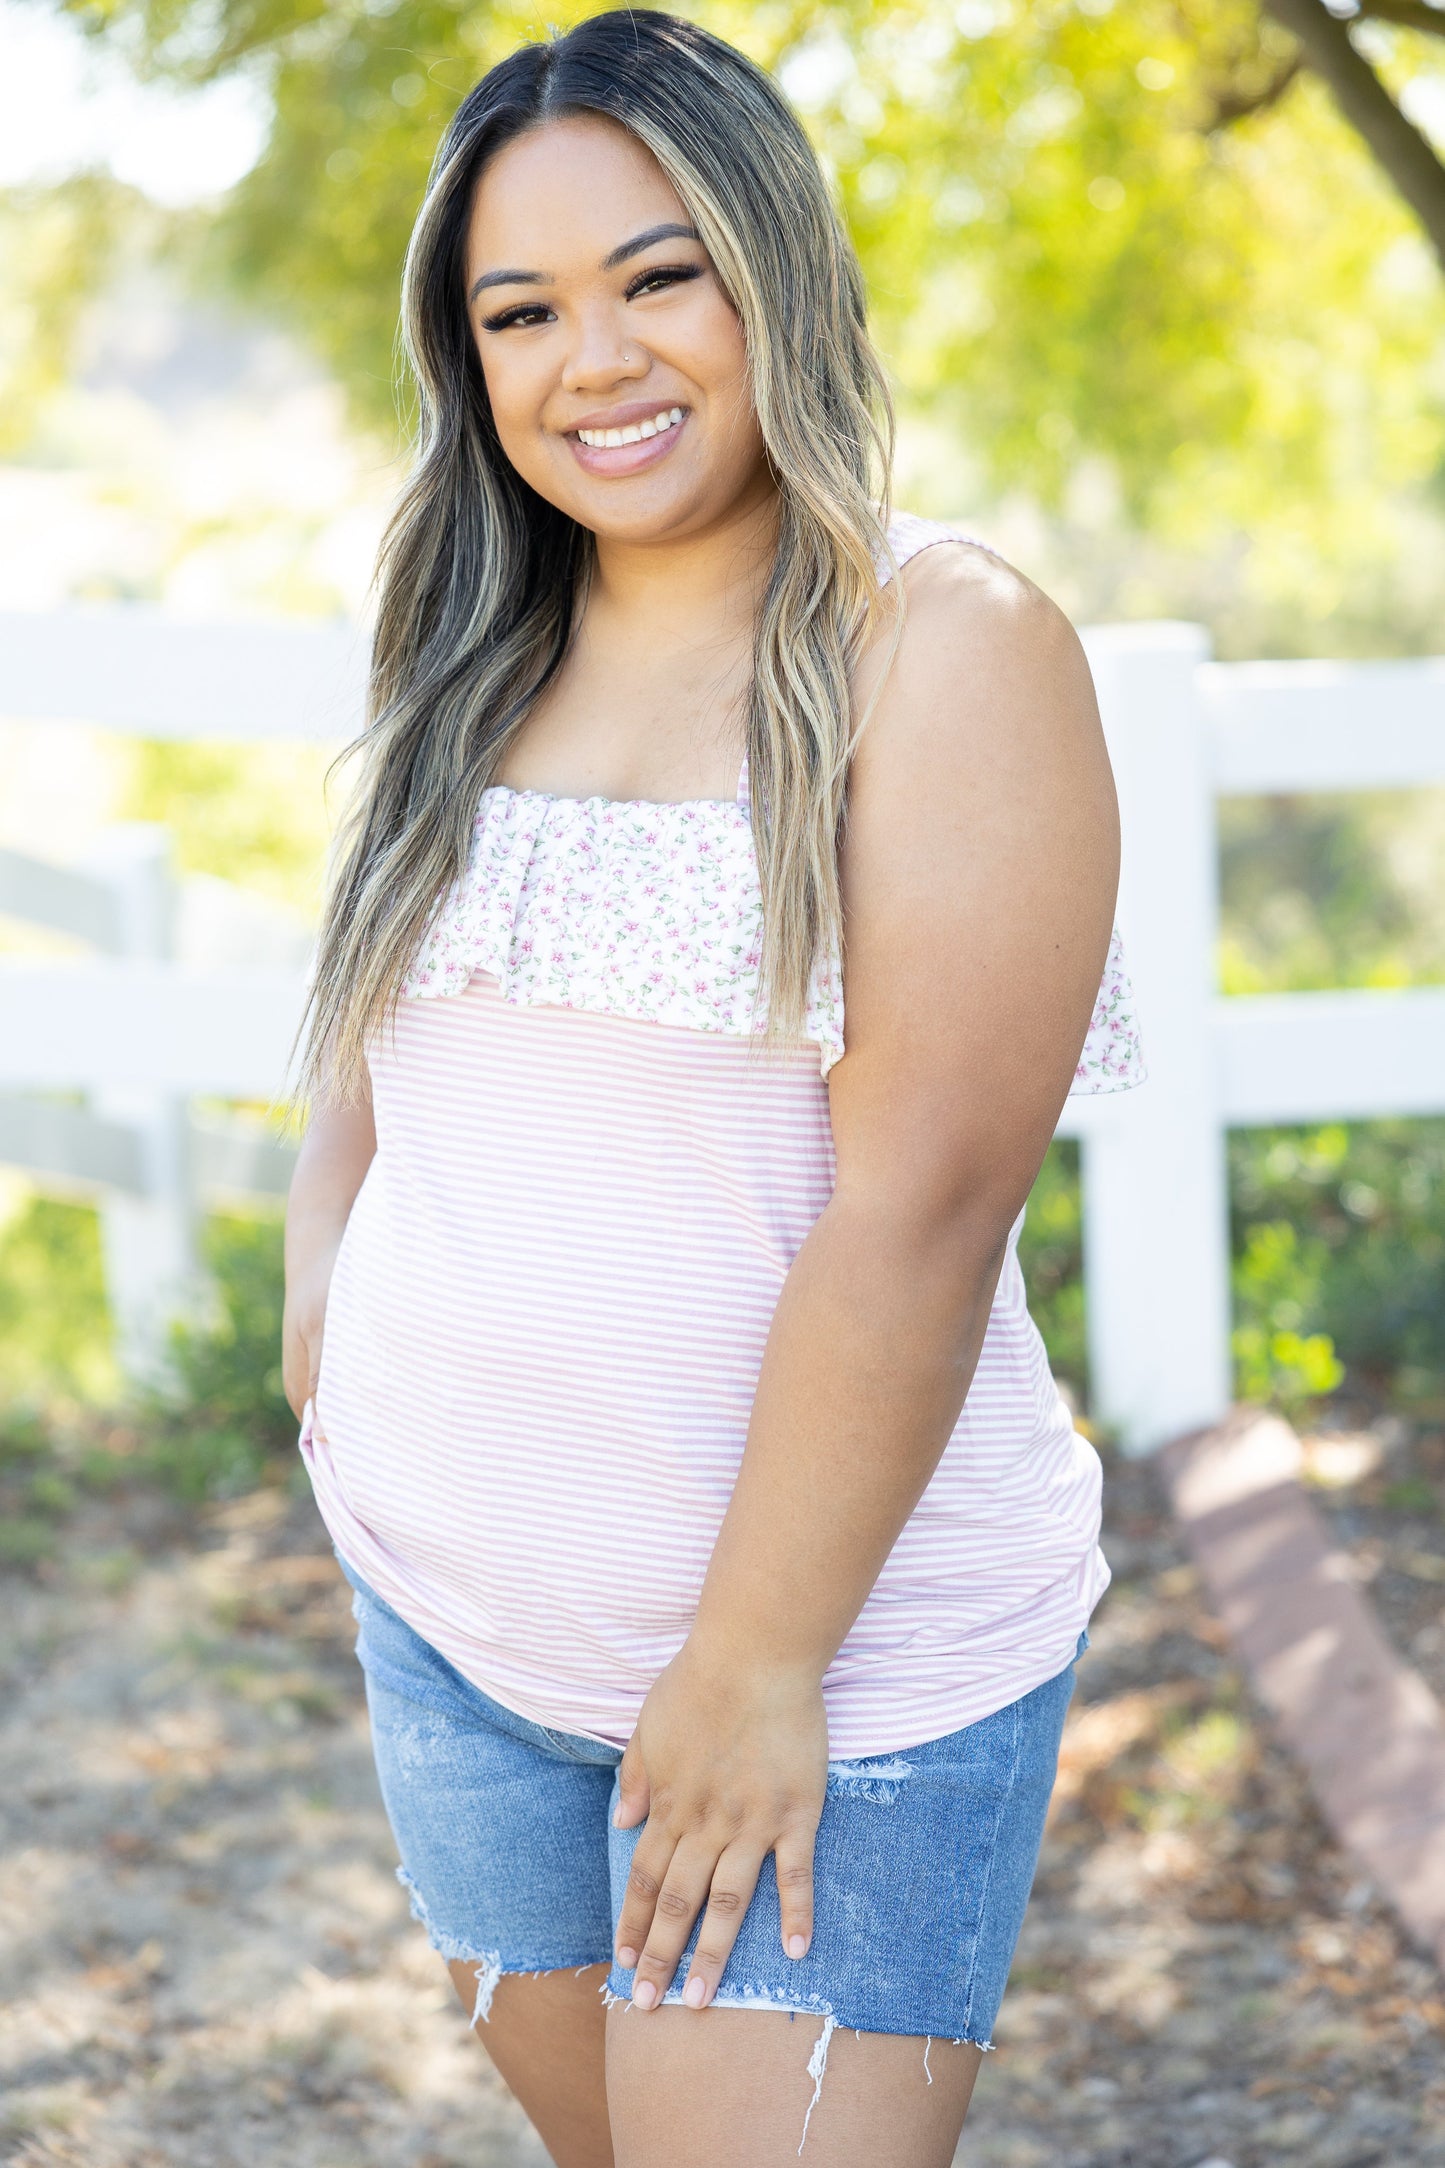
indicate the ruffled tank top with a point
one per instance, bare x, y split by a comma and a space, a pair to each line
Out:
549, 1309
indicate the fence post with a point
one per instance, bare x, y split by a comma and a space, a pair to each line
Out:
148, 1242
1156, 1245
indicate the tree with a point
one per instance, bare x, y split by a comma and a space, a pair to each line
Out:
1403, 150
1141, 241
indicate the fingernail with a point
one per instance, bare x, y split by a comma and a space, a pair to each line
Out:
644, 1994
695, 1994
797, 1945
627, 1959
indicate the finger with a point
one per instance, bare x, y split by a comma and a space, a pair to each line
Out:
734, 1879
794, 1860
632, 1784
679, 1901
650, 1863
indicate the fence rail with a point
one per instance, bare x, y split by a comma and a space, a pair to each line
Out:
139, 1027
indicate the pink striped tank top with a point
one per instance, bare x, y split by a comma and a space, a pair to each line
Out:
548, 1312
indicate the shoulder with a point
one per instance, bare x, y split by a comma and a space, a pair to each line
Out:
974, 654
959, 597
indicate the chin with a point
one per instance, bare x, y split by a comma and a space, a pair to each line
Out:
645, 518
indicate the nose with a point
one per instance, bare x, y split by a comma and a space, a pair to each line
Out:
601, 354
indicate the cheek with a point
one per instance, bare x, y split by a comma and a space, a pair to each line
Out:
724, 345
513, 398
503, 385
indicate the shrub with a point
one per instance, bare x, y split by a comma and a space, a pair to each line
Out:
227, 1423
55, 1337
1051, 1252
1339, 1243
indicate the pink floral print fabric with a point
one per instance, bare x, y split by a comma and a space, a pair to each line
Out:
622, 907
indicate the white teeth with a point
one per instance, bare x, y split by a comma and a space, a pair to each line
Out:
635, 432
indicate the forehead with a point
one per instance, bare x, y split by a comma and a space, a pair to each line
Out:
564, 195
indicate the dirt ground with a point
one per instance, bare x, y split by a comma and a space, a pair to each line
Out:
205, 1960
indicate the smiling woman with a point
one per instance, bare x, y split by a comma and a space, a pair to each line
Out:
721, 1545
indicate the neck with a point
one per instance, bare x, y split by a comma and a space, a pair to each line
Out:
705, 584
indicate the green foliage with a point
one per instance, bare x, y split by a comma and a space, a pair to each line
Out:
253, 814
227, 1422
1339, 1264
33, 1494
1051, 1252
1277, 1284
65, 1425
55, 245
1412, 1494
55, 1338
1339, 1238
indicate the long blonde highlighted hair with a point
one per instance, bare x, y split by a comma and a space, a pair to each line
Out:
480, 580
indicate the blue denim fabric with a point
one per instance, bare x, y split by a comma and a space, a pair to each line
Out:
924, 1858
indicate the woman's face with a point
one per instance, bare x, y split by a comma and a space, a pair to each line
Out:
596, 310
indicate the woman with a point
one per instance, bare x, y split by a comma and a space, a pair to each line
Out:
716, 1529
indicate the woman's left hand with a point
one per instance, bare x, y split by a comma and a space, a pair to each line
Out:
727, 1764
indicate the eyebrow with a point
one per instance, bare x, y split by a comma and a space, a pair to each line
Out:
670, 230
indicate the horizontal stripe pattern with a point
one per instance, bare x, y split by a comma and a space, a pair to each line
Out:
543, 1336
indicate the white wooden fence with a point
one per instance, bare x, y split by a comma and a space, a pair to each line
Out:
99, 1058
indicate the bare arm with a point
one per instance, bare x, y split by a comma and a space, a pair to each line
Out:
339, 1147
979, 882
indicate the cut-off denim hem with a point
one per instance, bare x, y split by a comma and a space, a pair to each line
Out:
922, 1869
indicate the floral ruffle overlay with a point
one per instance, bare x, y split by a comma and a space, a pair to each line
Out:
633, 909
1113, 1058
654, 912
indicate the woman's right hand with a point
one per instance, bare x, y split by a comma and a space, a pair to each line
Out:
331, 1166
302, 1323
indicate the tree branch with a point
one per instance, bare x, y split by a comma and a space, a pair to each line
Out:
1396, 142
1409, 14
1233, 105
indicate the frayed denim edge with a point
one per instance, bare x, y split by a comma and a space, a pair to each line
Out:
761, 1998
490, 1970
487, 1964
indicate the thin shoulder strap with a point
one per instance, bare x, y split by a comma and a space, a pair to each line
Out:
909, 536
745, 796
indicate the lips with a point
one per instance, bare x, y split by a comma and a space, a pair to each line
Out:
626, 415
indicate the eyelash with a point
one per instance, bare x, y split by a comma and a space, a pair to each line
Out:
672, 274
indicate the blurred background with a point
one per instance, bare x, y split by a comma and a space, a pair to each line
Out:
1162, 287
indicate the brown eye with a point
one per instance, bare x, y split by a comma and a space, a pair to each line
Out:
661, 277
525, 312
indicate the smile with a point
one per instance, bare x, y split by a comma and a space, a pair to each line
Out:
634, 433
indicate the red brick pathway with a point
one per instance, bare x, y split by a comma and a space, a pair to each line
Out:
1366, 1727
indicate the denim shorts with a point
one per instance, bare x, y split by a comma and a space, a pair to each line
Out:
923, 1864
